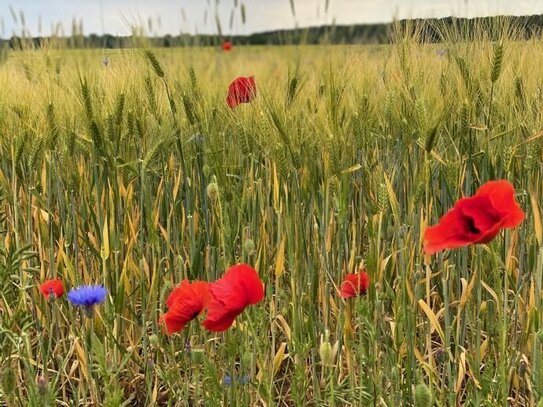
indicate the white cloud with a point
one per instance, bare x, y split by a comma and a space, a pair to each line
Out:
116, 16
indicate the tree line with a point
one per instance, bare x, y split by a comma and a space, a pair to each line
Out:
428, 30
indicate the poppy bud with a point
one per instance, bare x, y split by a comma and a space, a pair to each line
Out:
154, 341
8, 381
246, 358
483, 307
249, 247
206, 169
423, 396
197, 356
522, 368
213, 191
166, 290
43, 386
327, 352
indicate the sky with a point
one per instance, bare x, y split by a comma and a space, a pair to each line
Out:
159, 17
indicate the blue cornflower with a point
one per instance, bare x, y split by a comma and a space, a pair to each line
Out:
87, 296
244, 379
227, 380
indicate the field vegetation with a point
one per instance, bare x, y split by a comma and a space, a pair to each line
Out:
127, 168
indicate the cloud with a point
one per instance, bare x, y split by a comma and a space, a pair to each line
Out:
166, 16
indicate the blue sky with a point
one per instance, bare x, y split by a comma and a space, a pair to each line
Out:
175, 16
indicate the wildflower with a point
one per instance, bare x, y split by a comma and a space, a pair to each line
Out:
188, 346
227, 46
185, 303
227, 380
43, 386
477, 219
244, 379
87, 296
355, 284
52, 289
239, 288
241, 90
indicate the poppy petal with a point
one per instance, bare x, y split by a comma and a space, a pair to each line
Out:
477, 219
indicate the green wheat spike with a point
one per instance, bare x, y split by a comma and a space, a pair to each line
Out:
420, 109
130, 123
110, 125
430, 139
154, 63
119, 109
464, 71
281, 162
87, 102
189, 109
193, 81
35, 154
382, 197
464, 118
497, 62
389, 105
53, 128
519, 92
151, 97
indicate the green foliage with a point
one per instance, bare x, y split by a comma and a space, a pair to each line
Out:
138, 175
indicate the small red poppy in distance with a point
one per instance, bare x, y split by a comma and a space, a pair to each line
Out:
477, 219
185, 303
241, 90
239, 288
227, 46
355, 284
52, 288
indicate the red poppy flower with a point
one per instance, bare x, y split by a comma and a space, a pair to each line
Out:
241, 90
477, 219
227, 46
185, 303
239, 288
52, 287
355, 284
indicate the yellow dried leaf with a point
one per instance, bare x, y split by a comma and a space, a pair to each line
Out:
104, 250
467, 290
537, 220
352, 169
434, 323
280, 259
494, 296
279, 357
392, 199
461, 372
285, 327
483, 349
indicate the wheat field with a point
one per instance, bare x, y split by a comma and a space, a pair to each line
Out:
342, 160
